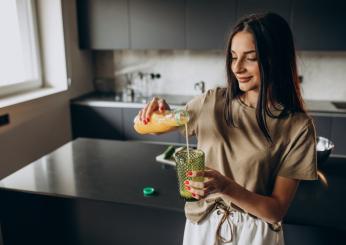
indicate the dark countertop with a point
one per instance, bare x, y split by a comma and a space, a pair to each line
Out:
117, 171
109, 100
100, 179
114, 171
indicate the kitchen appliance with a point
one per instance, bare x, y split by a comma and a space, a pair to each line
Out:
324, 147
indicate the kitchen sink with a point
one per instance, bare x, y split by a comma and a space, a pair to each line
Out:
340, 105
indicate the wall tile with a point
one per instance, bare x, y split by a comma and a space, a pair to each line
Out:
324, 72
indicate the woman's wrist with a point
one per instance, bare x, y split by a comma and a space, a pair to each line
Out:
229, 188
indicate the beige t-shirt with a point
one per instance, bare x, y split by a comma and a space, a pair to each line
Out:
243, 153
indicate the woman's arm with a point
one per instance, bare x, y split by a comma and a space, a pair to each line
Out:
272, 208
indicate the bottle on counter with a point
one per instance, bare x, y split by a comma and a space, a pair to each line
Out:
162, 122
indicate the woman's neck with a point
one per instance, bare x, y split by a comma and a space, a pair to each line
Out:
250, 98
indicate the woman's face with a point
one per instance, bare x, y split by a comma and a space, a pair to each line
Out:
244, 62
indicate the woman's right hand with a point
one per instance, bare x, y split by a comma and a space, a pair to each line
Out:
156, 104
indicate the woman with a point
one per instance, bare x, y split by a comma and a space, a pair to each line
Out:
258, 140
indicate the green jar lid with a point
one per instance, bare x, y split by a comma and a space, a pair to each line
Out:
148, 191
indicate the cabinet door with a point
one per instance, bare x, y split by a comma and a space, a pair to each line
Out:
157, 24
281, 7
192, 140
208, 23
131, 134
323, 125
103, 24
97, 122
319, 25
339, 135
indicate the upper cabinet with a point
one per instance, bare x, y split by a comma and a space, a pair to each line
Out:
319, 25
281, 7
202, 24
157, 24
208, 23
103, 24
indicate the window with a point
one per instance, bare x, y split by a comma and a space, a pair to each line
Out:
20, 65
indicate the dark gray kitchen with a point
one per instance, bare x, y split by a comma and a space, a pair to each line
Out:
190, 122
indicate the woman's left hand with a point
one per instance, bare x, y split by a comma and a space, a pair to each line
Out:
213, 182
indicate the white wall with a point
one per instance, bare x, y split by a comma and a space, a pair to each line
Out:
39, 126
324, 75
324, 72
180, 69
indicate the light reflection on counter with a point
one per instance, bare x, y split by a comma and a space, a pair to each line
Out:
322, 178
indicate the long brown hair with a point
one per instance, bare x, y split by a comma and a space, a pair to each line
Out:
276, 57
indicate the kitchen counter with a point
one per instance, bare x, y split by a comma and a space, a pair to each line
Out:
90, 192
320, 106
97, 99
112, 171
101, 116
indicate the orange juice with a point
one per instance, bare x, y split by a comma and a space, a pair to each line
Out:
162, 122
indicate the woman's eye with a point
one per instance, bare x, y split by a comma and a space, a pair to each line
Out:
252, 59
234, 58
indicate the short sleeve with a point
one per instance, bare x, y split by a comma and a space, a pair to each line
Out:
300, 160
194, 107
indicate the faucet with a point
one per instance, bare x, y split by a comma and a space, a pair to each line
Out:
200, 86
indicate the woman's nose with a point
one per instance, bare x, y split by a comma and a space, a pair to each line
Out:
238, 66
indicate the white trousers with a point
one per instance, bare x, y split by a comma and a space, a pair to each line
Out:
236, 229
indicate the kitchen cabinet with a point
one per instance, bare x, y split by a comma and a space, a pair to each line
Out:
157, 24
103, 24
338, 135
97, 122
202, 24
319, 25
192, 140
131, 134
117, 123
323, 125
208, 23
281, 7
113, 123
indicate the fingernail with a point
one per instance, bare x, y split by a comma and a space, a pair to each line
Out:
187, 188
189, 173
148, 119
193, 194
145, 121
186, 182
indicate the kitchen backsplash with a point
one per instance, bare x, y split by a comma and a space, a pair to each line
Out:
324, 73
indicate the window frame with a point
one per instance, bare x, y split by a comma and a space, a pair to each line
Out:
28, 22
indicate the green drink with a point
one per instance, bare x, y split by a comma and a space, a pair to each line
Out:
188, 160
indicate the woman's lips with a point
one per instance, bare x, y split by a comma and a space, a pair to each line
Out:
243, 79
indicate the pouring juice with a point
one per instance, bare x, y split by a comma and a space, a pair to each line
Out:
162, 122
186, 159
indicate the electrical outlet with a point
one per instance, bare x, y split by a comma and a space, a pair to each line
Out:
4, 119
